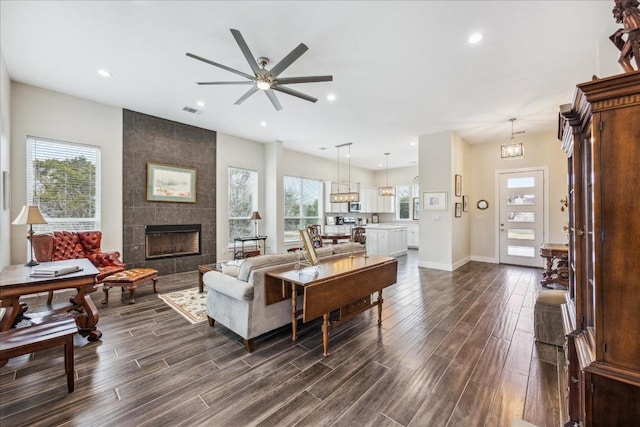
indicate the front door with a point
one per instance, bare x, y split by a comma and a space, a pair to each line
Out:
521, 216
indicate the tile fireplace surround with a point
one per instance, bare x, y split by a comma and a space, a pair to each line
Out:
151, 139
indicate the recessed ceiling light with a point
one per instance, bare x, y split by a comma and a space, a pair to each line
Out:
263, 123
412, 143
475, 38
331, 97
104, 73
200, 104
380, 165
322, 148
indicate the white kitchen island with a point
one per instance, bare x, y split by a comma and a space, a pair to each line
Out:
387, 240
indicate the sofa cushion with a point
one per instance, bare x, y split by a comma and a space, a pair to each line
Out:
344, 248
228, 285
263, 261
230, 270
67, 246
324, 252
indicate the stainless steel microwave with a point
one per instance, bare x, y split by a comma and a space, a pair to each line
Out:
355, 206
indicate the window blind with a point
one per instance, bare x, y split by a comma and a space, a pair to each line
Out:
63, 180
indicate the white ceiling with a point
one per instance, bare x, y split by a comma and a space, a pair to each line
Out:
400, 69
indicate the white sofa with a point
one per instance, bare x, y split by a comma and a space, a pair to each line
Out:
236, 296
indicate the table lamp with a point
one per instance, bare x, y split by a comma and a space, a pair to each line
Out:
255, 215
30, 215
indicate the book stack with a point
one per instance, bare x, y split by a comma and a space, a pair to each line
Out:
54, 272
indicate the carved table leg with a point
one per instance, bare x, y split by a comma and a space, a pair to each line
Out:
325, 334
88, 319
380, 301
12, 304
294, 317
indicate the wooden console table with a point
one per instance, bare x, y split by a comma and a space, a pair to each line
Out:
342, 285
15, 281
556, 270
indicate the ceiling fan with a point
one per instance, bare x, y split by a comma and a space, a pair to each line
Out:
263, 79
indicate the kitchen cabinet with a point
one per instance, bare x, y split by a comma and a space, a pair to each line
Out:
600, 132
413, 236
369, 199
386, 204
387, 240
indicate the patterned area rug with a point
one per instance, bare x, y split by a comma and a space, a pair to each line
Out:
190, 303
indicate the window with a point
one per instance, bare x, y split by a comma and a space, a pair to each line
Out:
243, 199
63, 180
302, 198
404, 201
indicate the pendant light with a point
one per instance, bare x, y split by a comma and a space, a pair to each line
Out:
349, 196
513, 150
387, 190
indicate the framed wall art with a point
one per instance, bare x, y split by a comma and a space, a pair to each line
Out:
434, 201
458, 210
465, 203
458, 185
167, 183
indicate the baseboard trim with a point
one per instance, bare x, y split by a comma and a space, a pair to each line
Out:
491, 260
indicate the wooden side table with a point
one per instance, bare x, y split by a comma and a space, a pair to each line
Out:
556, 270
204, 269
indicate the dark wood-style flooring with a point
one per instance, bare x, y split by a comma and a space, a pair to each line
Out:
454, 349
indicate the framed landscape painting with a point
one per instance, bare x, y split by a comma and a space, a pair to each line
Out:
166, 183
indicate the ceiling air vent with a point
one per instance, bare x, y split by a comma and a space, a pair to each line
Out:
191, 110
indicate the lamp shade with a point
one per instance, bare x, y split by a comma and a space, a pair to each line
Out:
255, 215
29, 215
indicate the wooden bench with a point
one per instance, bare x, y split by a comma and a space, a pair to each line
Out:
20, 341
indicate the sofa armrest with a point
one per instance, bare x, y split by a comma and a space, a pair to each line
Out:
228, 285
106, 259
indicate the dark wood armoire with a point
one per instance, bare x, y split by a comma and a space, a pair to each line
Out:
600, 132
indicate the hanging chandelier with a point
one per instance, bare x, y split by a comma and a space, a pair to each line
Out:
513, 150
349, 196
387, 190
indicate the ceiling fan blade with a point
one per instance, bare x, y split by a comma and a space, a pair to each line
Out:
294, 93
224, 67
248, 82
246, 95
288, 60
310, 79
274, 100
246, 51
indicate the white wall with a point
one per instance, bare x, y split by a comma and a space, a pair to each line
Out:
541, 150
435, 153
460, 230
47, 114
5, 165
240, 153
303, 165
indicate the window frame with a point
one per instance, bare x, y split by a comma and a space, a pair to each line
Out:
301, 218
254, 203
42, 148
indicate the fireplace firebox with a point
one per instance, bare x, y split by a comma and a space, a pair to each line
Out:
170, 241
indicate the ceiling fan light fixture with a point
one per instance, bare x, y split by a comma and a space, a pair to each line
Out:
262, 85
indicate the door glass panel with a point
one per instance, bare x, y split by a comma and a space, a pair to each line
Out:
524, 251
521, 216
522, 182
521, 199
521, 234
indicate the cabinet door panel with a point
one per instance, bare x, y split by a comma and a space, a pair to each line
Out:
618, 269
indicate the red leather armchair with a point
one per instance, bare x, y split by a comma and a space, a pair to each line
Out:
60, 245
